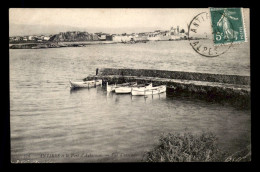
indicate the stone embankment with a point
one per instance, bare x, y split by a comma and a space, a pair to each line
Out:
225, 89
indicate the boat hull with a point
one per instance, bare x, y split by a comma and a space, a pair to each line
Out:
149, 91
111, 88
85, 84
123, 90
143, 87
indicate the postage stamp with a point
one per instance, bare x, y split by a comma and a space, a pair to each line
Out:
227, 25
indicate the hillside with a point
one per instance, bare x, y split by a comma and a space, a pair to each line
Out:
73, 36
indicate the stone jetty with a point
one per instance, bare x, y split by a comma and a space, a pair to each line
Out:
225, 89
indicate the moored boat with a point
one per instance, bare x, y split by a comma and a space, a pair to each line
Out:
148, 91
143, 87
128, 89
111, 88
125, 88
85, 84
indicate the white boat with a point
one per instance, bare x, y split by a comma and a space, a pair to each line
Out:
85, 84
123, 89
148, 91
128, 89
111, 88
143, 87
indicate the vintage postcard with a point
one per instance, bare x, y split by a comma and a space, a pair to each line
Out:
129, 85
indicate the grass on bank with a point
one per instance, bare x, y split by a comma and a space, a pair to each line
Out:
189, 148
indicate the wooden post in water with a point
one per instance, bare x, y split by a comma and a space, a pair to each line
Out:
96, 77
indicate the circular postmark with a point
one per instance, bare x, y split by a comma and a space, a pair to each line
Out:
200, 36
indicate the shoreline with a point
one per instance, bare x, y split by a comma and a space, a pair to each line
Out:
74, 44
56, 45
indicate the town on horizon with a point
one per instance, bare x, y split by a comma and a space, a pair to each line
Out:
46, 22
174, 33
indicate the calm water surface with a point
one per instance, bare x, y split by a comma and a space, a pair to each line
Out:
90, 125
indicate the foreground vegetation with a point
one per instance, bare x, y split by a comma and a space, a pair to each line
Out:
192, 148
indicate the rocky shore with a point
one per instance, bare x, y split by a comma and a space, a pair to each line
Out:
64, 44
56, 45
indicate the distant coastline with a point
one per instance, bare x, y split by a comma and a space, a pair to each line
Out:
42, 45
55, 45
79, 39
59, 44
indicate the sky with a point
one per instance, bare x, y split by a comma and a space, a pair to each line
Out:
25, 21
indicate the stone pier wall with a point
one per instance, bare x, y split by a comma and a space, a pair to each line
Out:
229, 79
224, 89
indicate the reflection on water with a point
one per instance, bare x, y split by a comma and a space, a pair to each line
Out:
91, 125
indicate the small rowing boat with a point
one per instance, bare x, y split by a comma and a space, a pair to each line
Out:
148, 90
143, 87
129, 89
85, 84
125, 88
111, 88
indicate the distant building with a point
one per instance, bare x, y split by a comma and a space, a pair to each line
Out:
46, 38
182, 31
109, 37
123, 38
25, 38
173, 31
102, 37
117, 38
39, 37
18, 38
163, 33
31, 38
94, 37
42, 37
157, 32
141, 36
